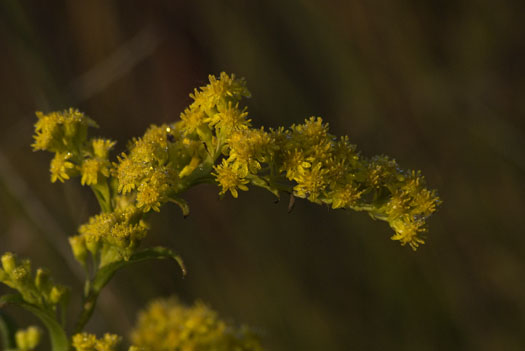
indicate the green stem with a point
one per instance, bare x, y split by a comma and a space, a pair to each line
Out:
88, 306
103, 195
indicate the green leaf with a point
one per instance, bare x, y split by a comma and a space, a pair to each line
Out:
59, 340
160, 253
7, 332
185, 208
105, 273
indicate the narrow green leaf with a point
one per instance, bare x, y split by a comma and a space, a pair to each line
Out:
105, 273
59, 340
7, 332
185, 208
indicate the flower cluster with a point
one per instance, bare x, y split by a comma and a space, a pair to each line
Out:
89, 342
38, 290
215, 142
27, 339
65, 134
166, 324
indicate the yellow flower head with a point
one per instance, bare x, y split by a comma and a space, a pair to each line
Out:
169, 325
219, 92
153, 191
89, 342
101, 147
229, 118
61, 131
128, 173
345, 196
214, 140
61, 168
192, 118
28, 339
407, 230
39, 290
229, 179
90, 170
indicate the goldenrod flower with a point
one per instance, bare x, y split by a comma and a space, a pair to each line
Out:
101, 147
128, 173
193, 118
89, 342
90, 170
214, 139
166, 324
61, 168
345, 196
229, 179
229, 118
28, 339
39, 290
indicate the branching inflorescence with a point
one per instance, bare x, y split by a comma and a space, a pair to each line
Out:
214, 142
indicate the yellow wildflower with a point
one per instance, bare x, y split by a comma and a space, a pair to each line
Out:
219, 91
229, 118
128, 173
60, 167
28, 339
90, 170
154, 190
345, 196
89, 342
192, 118
407, 229
169, 325
38, 290
101, 147
311, 182
229, 179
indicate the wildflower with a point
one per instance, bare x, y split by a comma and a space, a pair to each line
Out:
345, 196
229, 118
128, 173
153, 190
219, 92
214, 138
193, 118
91, 169
61, 131
61, 168
39, 290
89, 342
406, 231
101, 147
311, 182
166, 324
28, 339
229, 179
84, 342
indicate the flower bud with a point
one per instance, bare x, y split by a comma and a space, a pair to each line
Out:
78, 245
9, 262
57, 292
28, 339
43, 280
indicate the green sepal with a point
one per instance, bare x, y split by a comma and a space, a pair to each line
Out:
7, 332
59, 340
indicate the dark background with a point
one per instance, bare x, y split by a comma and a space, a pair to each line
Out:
438, 85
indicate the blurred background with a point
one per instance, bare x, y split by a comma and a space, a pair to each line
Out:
438, 85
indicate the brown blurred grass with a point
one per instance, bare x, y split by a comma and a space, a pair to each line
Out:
438, 85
